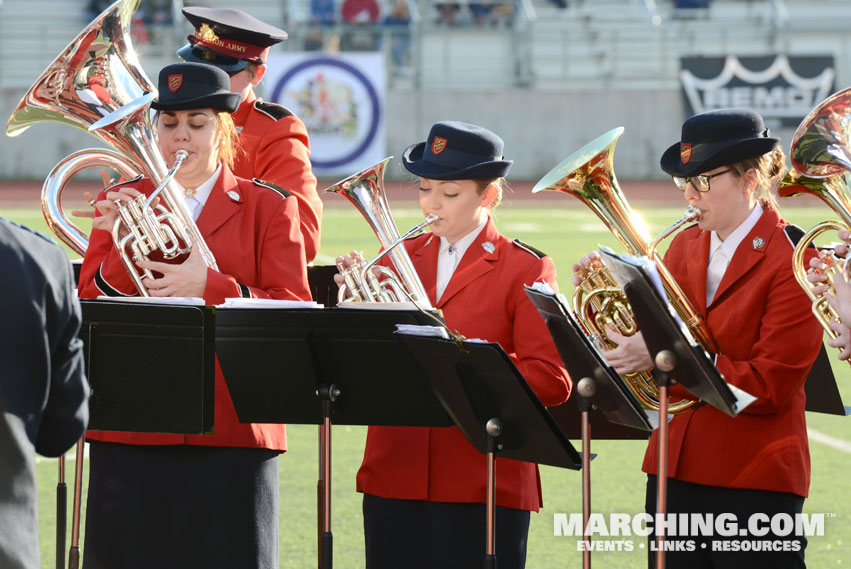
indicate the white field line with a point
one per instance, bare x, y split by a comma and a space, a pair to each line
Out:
832, 442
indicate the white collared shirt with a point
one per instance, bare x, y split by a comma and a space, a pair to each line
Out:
202, 193
722, 251
450, 255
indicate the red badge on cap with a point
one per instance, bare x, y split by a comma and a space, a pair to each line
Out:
685, 152
438, 145
174, 82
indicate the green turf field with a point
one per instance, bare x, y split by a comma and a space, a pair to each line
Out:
565, 232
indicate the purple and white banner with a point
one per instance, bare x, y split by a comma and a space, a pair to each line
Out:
341, 100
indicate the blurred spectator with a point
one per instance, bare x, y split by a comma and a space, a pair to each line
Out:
323, 12
360, 14
94, 8
398, 23
448, 13
490, 12
157, 12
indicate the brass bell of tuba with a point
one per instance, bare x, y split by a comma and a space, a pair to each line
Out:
365, 190
98, 85
821, 163
598, 301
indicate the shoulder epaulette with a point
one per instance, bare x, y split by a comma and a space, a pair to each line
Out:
272, 186
273, 110
794, 234
529, 249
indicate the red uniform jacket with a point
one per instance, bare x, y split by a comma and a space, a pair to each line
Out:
484, 299
768, 339
277, 150
253, 234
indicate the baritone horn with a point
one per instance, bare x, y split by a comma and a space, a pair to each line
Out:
821, 161
97, 84
598, 301
365, 190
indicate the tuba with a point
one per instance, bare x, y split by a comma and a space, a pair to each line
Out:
598, 301
98, 85
366, 191
821, 162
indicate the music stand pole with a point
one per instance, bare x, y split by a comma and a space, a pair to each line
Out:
665, 362
326, 546
61, 514
494, 430
587, 389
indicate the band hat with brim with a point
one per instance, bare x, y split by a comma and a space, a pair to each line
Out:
186, 86
228, 38
457, 151
717, 138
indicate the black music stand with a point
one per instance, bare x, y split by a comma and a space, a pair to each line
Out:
676, 355
320, 367
493, 406
821, 389
600, 386
140, 357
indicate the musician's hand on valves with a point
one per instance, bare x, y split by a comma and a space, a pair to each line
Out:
842, 340
631, 355
345, 262
90, 199
188, 278
586, 264
815, 274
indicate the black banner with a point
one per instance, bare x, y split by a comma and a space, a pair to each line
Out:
782, 89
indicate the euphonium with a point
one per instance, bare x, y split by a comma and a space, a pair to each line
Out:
598, 301
366, 191
821, 162
97, 84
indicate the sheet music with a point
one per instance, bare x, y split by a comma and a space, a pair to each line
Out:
172, 300
417, 330
650, 269
743, 398
382, 306
238, 302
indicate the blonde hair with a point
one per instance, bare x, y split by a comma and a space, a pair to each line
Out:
500, 183
229, 147
769, 168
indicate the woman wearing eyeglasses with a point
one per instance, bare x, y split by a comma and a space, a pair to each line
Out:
735, 266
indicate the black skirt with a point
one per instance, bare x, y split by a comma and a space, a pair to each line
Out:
181, 506
414, 534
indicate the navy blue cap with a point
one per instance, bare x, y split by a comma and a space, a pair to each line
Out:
185, 86
457, 151
228, 38
717, 138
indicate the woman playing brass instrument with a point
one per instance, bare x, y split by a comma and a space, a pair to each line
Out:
198, 500
735, 266
424, 488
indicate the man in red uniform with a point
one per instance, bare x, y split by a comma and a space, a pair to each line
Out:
275, 141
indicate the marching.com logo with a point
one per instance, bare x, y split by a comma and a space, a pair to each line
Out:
726, 527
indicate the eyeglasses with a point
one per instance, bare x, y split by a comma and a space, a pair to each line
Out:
699, 183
